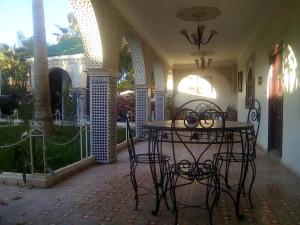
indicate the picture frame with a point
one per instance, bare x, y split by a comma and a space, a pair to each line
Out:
240, 81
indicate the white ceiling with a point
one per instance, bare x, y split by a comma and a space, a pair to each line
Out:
156, 22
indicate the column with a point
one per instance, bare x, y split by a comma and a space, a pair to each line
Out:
142, 109
103, 115
159, 105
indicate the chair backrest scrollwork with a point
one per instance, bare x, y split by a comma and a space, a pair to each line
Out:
254, 116
202, 128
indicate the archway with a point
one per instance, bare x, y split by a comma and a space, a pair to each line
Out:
141, 88
60, 84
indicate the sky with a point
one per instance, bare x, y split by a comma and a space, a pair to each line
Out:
16, 15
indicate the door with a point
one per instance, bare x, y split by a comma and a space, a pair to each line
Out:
275, 103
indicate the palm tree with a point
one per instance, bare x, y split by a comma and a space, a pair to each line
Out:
42, 110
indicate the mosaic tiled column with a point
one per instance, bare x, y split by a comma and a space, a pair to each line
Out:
103, 115
80, 103
142, 109
159, 105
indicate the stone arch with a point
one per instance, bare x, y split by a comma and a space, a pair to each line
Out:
84, 13
159, 91
137, 58
142, 90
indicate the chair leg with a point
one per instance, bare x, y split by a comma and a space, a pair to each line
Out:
134, 184
173, 198
227, 165
165, 188
213, 183
253, 167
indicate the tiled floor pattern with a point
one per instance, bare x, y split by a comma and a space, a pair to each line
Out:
103, 195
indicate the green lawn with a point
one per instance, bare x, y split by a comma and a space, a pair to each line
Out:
13, 159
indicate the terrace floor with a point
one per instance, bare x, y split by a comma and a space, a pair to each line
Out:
103, 195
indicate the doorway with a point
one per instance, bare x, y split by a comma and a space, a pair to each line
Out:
275, 102
59, 82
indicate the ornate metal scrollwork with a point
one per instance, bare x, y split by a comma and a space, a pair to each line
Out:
254, 113
36, 126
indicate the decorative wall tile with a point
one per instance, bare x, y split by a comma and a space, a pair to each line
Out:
159, 105
103, 118
141, 110
88, 27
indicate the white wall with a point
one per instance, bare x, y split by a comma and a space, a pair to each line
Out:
282, 25
221, 79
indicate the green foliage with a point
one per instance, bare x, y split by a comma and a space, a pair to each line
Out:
125, 60
126, 77
13, 70
125, 85
17, 159
26, 109
24, 47
70, 32
66, 47
69, 102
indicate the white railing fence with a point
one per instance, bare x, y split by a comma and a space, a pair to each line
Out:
10, 120
39, 143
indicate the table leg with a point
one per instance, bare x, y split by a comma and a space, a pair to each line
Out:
158, 168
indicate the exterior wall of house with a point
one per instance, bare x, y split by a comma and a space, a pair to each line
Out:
281, 25
73, 64
222, 79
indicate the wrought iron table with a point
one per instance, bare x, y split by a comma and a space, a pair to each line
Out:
159, 132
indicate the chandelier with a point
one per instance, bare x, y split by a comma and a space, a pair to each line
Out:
203, 58
203, 63
197, 37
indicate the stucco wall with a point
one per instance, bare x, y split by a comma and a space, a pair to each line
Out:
221, 79
74, 65
282, 25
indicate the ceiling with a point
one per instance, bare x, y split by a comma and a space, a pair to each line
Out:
156, 22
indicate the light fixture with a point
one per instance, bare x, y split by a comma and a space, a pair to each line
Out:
197, 37
203, 62
203, 58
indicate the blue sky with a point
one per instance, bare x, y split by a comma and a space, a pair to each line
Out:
16, 15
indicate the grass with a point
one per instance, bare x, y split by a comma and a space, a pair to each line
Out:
17, 159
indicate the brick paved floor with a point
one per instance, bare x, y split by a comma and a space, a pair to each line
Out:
103, 195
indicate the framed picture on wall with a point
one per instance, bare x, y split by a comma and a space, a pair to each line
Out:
240, 81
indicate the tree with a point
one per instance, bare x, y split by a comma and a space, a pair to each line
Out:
72, 31
126, 77
42, 109
24, 47
13, 72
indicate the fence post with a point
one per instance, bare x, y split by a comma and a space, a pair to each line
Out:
86, 139
126, 130
37, 130
31, 152
44, 151
81, 151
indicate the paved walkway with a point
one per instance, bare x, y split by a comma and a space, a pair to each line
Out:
103, 195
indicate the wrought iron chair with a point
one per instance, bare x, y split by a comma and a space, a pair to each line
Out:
141, 158
192, 137
237, 155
